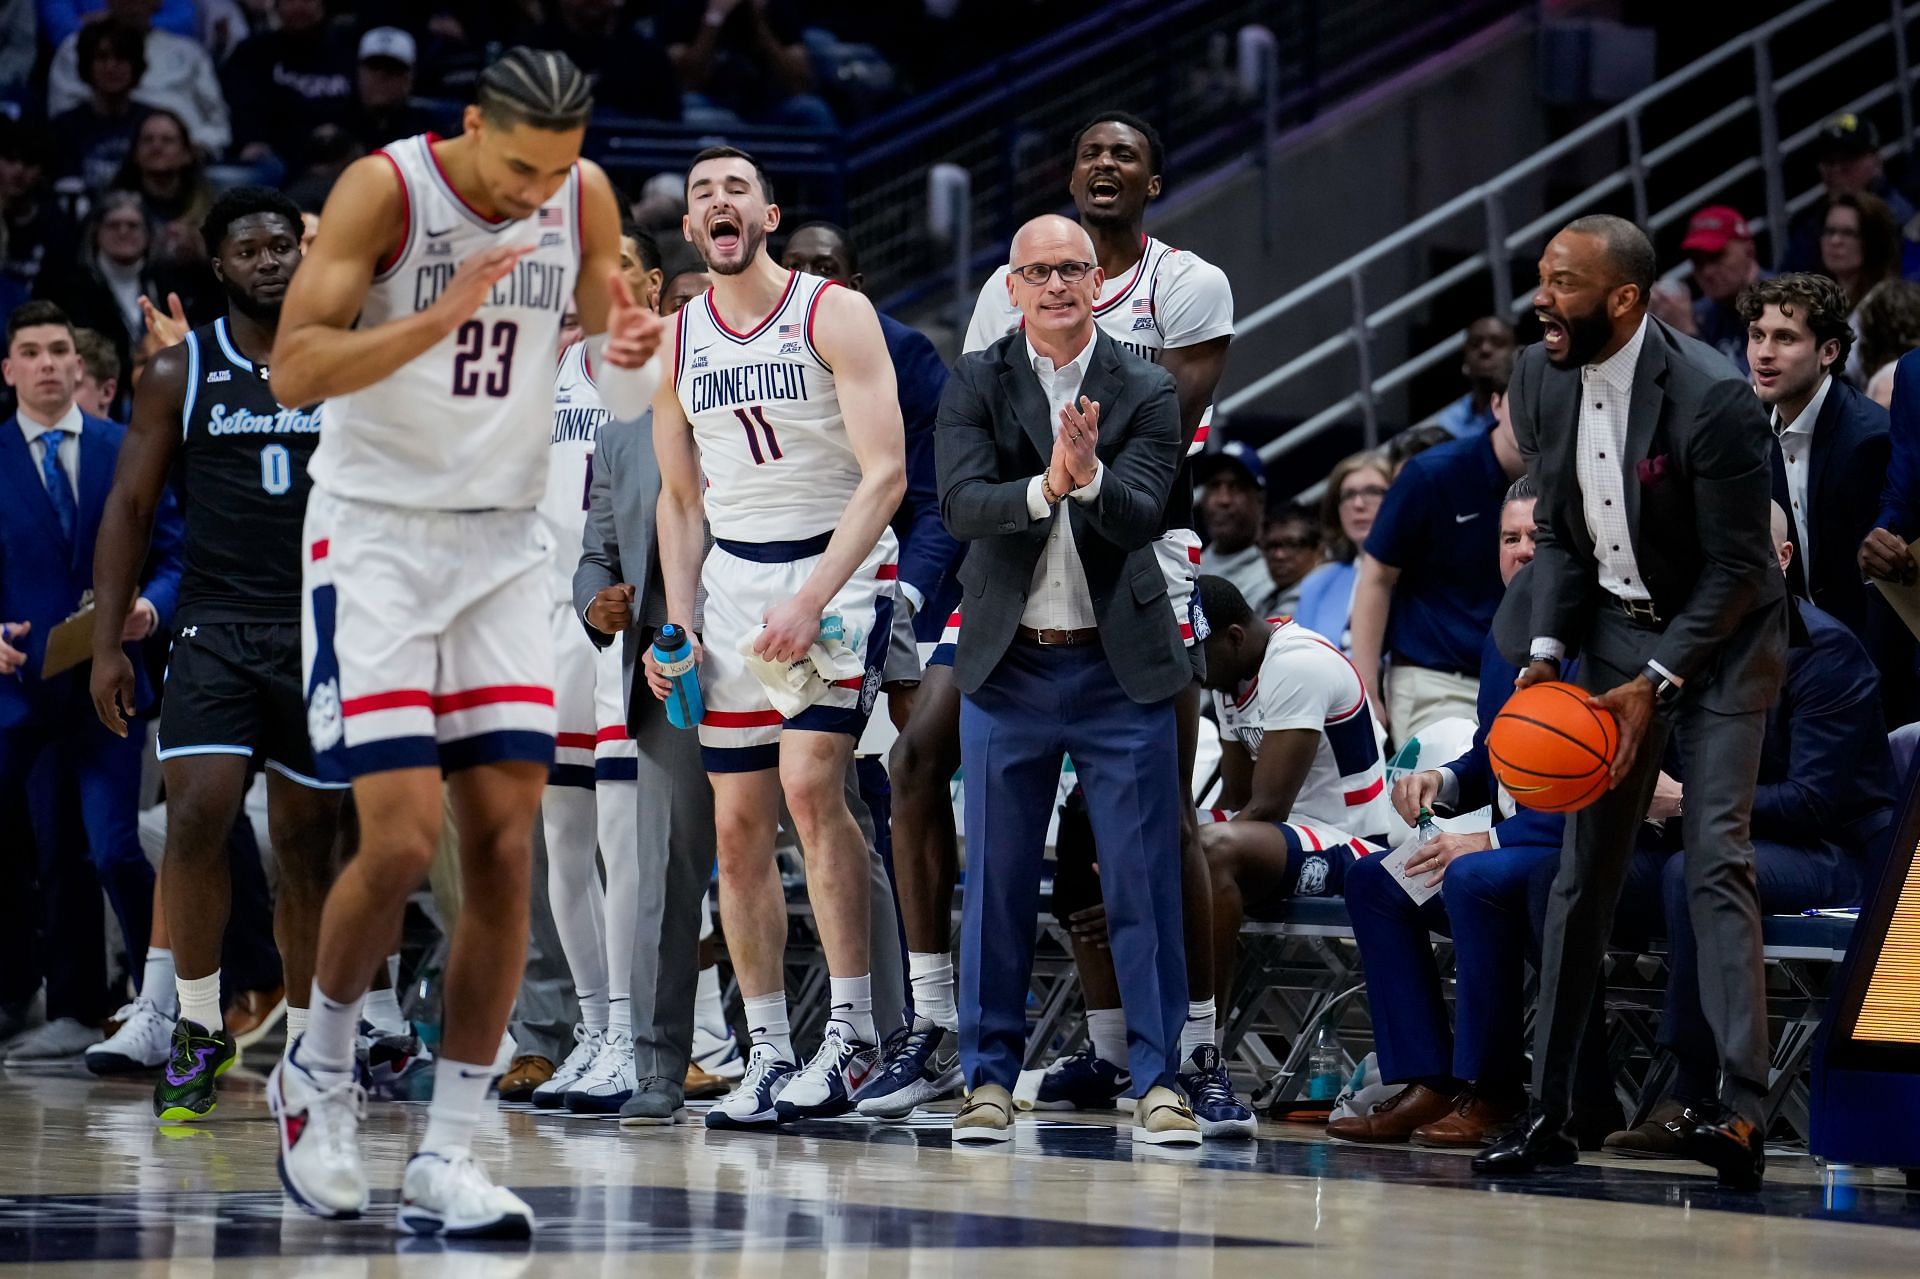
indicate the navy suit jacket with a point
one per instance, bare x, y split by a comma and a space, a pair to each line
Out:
36, 587
1826, 773
1847, 468
929, 555
1900, 499
1474, 771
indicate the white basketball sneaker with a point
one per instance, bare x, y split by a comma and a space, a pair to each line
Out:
718, 1053
143, 1042
552, 1095
606, 1087
452, 1195
319, 1129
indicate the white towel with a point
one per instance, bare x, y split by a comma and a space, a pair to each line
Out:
794, 686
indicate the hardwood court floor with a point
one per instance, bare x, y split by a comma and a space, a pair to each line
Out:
90, 1185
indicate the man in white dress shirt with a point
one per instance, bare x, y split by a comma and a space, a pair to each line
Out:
1055, 449
1653, 560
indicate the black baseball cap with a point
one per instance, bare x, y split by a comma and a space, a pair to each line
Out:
1846, 136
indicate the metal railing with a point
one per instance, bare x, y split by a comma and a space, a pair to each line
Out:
1863, 51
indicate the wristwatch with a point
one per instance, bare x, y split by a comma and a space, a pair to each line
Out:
1665, 691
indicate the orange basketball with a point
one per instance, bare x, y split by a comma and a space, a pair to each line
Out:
1552, 749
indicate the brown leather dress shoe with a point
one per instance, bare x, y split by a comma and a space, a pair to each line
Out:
1662, 1136
254, 1014
1392, 1121
1475, 1121
527, 1073
700, 1084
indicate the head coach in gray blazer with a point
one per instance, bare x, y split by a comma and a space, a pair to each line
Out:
1653, 558
1055, 451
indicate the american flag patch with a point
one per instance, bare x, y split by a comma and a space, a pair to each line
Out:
1143, 306
790, 330
551, 217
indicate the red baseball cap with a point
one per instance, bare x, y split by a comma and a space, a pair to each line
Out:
1714, 228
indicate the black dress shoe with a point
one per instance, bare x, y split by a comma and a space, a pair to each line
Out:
1536, 1142
1734, 1147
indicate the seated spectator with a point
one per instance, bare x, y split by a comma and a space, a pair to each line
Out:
1464, 1081
1720, 244
1347, 508
165, 171
284, 82
1291, 545
742, 60
60, 19
53, 455
179, 78
1429, 579
96, 136
38, 232
1824, 802
1233, 506
631, 72
115, 270
382, 109
1303, 788
1848, 153
99, 389
1859, 247
1411, 443
1486, 363
1889, 320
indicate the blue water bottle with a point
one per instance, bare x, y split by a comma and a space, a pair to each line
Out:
673, 649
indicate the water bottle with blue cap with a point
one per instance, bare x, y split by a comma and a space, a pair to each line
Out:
673, 650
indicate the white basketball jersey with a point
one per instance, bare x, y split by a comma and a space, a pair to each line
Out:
1170, 298
464, 426
577, 415
766, 418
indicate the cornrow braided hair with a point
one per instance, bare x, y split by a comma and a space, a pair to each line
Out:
539, 87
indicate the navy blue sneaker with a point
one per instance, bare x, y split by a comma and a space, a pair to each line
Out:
1210, 1093
919, 1064
1082, 1081
751, 1105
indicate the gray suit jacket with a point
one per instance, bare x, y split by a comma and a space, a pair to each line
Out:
620, 543
994, 434
1697, 487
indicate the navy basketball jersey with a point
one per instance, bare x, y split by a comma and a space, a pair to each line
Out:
243, 487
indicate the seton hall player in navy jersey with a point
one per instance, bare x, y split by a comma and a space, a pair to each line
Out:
783, 394
426, 316
205, 411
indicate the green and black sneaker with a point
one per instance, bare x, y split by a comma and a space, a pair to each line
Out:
186, 1090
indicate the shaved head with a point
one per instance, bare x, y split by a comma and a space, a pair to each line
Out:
1056, 309
1046, 233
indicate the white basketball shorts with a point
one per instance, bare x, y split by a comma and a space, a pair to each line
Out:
425, 640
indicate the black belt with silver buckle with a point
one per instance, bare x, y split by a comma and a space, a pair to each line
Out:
1050, 637
1641, 611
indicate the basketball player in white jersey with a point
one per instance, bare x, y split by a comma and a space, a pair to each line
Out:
783, 394
1174, 308
426, 317
591, 800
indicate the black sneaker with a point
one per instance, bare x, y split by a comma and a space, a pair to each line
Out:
185, 1091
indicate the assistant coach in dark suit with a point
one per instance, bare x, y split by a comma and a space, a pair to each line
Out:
1055, 450
1654, 560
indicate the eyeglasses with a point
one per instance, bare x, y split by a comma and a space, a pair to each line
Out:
1371, 493
1037, 273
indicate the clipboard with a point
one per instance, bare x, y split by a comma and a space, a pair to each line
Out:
1903, 599
70, 643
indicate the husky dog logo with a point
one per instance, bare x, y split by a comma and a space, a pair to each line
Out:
324, 723
1313, 877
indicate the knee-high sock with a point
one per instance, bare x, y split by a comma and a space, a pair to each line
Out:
616, 805
575, 894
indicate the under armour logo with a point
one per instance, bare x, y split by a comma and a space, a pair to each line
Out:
188, 632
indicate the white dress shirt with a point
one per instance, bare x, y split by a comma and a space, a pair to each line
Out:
69, 447
1796, 447
1059, 598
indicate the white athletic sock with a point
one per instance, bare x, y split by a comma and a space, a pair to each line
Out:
709, 1010
296, 1023
932, 978
620, 1015
1108, 1029
156, 983
393, 970
200, 1001
593, 1009
767, 1023
326, 1049
850, 1000
1198, 1030
459, 1101
381, 1008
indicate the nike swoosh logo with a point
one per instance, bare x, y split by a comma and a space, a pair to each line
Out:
434, 235
474, 1074
696, 350
1462, 519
